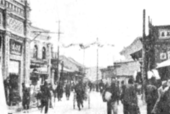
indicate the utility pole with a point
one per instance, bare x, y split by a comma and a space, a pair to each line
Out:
144, 56
97, 75
84, 61
58, 53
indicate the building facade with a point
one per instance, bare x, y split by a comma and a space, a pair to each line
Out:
40, 54
21, 48
14, 44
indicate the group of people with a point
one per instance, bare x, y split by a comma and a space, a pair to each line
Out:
112, 93
44, 95
158, 97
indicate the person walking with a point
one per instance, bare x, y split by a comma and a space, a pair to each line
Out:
46, 96
151, 95
111, 94
26, 97
123, 86
68, 89
159, 107
79, 90
59, 91
129, 99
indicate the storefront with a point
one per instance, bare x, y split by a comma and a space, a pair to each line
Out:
15, 68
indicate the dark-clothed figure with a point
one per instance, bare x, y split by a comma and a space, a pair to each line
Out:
122, 96
151, 96
59, 91
52, 94
79, 89
45, 97
112, 102
68, 89
101, 86
7, 90
26, 97
130, 98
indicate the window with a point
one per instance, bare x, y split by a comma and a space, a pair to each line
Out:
35, 54
163, 34
43, 53
168, 33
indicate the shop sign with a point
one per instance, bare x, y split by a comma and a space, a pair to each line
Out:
165, 55
15, 47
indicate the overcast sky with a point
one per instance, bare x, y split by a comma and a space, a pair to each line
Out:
116, 22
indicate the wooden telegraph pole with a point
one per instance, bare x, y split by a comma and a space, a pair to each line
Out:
144, 67
58, 53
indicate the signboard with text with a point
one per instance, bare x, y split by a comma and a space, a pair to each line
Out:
15, 47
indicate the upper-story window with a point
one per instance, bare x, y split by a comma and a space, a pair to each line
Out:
43, 53
163, 34
35, 53
168, 33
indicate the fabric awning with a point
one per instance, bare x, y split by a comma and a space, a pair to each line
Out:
163, 64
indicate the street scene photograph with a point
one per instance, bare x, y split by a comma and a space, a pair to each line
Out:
84, 57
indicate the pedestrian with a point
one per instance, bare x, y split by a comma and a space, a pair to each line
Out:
7, 89
160, 105
129, 99
46, 96
59, 91
111, 95
151, 95
79, 90
52, 95
123, 86
26, 97
68, 89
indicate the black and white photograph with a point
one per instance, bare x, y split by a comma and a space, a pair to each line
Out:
84, 57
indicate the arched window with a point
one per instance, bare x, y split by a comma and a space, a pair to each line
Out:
43, 53
35, 54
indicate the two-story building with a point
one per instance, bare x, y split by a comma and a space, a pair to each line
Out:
40, 54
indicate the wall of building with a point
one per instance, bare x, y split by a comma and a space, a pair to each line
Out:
13, 21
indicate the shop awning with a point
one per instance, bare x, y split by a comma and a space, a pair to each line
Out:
40, 70
137, 55
163, 64
35, 63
